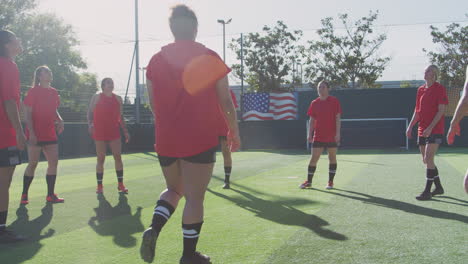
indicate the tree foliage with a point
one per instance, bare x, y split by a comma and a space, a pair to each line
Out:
268, 57
452, 54
350, 59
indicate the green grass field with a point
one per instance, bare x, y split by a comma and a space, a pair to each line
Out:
371, 216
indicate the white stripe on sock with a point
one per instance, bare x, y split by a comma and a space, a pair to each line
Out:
190, 232
191, 236
161, 214
163, 210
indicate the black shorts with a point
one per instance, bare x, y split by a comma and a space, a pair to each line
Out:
206, 157
432, 139
10, 157
45, 143
318, 144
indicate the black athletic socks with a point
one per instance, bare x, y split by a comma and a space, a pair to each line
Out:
119, 176
162, 213
310, 174
3, 218
227, 174
430, 174
191, 233
437, 182
26, 183
332, 171
99, 177
50, 178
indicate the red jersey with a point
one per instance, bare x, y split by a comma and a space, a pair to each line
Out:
324, 113
106, 118
427, 105
184, 76
224, 129
44, 103
9, 90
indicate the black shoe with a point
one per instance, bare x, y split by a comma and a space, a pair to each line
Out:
438, 191
424, 196
7, 236
227, 185
148, 245
197, 258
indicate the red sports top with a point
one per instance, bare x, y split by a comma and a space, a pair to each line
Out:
44, 103
106, 118
224, 129
9, 90
427, 105
324, 113
184, 76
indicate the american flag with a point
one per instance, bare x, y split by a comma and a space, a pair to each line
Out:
269, 106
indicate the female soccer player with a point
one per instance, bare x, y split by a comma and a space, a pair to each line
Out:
12, 138
227, 157
431, 101
460, 112
187, 83
104, 121
325, 124
43, 122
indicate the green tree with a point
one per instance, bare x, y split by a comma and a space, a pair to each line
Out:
12, 10
452, 55
348, 60
268, 57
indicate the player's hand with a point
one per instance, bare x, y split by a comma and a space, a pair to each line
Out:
453, 130
338, 138
20, 140
233, 141
32, 139
427, 132
127, 136
310, 138
59, 126
409, 131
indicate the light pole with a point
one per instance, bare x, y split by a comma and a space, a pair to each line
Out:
222, 21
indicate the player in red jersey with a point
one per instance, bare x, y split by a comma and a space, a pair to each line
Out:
431, 101
12, 138
325, 124
227, 157
187, 83
104, 121
43, 122
460, 112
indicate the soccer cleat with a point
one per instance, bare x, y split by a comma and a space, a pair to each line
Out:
54, 199
100, 188
227, 185
148, 245
329, 185
122, 188
24, 199
305, 185
7, 236
424, 196
196, 258
438, 191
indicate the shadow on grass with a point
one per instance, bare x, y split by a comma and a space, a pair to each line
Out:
397, 205
32, 229
281, 212
117, 221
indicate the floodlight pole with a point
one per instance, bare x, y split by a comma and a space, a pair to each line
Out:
137, 67
224, 23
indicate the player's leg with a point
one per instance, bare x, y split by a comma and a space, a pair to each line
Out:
227, 157
34, 154
316, 152
196, 177
51, 154
466, 182
101, 148
431, 169
165, 206
6, 174
332, 166
116, 148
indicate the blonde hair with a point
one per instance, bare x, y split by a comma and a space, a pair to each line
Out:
38, 72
